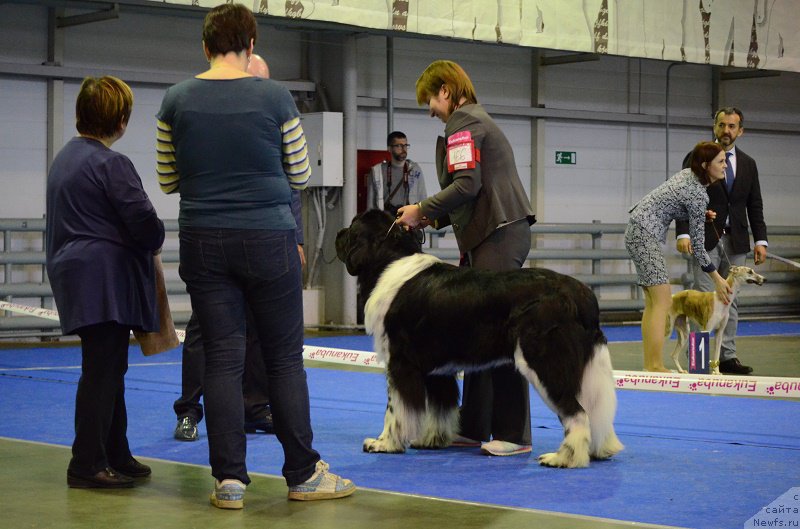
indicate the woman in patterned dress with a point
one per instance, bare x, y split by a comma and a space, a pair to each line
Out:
682, 197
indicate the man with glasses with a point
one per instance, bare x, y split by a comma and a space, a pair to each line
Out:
396, 182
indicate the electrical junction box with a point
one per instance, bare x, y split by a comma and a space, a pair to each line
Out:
324, 133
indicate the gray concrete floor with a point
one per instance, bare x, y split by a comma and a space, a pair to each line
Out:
35, 495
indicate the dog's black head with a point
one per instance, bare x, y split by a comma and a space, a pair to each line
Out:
368, 246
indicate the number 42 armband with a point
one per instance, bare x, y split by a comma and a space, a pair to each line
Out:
461, 152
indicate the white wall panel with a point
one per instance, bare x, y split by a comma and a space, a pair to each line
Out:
617, 163
23, 32
23, 147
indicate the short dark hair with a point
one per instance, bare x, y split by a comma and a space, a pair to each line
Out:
396, 135
102, 106
728, 111
703, 153
229, 27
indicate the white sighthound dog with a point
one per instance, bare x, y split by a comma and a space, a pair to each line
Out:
705, 309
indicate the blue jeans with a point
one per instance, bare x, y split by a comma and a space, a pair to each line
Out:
225, 271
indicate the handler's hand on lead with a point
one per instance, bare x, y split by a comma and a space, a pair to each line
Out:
410, 216
710, 215
684, 245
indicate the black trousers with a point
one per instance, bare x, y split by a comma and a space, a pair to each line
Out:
496, 403
101, 419
255, 387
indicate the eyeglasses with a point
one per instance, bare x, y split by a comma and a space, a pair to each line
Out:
403, 146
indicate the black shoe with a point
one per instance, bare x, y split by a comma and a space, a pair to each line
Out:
734, 367
133, 469
263, 424
105, 479
186, 430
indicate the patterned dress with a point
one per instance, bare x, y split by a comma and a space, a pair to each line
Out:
682, 197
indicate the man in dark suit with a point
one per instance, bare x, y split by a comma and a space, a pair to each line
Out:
732, 203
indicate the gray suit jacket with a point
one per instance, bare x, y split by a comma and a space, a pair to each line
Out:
477, 200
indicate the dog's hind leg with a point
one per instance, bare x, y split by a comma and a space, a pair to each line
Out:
440, 421
404, 409
599, 398
574, 449
563, 353
682, 330
558, 388
588, 418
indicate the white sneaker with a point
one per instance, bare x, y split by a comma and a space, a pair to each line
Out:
322, 485
228, 494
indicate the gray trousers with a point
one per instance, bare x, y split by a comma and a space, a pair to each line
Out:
702, 282
496, 403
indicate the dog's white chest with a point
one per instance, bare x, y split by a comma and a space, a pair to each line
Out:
719, 314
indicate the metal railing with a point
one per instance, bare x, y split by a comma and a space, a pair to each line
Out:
606, 269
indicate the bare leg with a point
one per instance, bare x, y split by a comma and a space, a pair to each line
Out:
657, 301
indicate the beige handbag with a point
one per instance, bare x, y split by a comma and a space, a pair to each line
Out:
166, 338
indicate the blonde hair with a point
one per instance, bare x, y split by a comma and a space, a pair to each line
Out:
441, 73
102, 106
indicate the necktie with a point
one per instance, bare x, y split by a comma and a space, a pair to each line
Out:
729, 172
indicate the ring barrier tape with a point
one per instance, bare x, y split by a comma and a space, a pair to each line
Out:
783, 260
749, 386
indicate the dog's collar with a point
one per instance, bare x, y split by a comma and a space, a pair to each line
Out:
419, 235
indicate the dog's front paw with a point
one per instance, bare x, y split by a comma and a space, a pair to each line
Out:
561, 459
381, 446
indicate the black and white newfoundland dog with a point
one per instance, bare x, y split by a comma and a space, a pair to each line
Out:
431, 319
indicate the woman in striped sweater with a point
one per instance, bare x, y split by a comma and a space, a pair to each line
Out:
232, 146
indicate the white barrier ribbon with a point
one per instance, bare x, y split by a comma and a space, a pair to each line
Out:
749, 386
783, 260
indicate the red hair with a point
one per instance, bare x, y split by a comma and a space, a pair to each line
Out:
703, 153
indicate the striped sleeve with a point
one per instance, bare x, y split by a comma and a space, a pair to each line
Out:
166, 167
295, 154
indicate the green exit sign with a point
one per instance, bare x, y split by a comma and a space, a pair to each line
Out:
566, 157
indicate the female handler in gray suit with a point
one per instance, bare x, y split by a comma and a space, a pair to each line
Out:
483, 199
682, 197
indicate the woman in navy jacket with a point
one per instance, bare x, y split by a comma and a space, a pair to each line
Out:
102, 232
